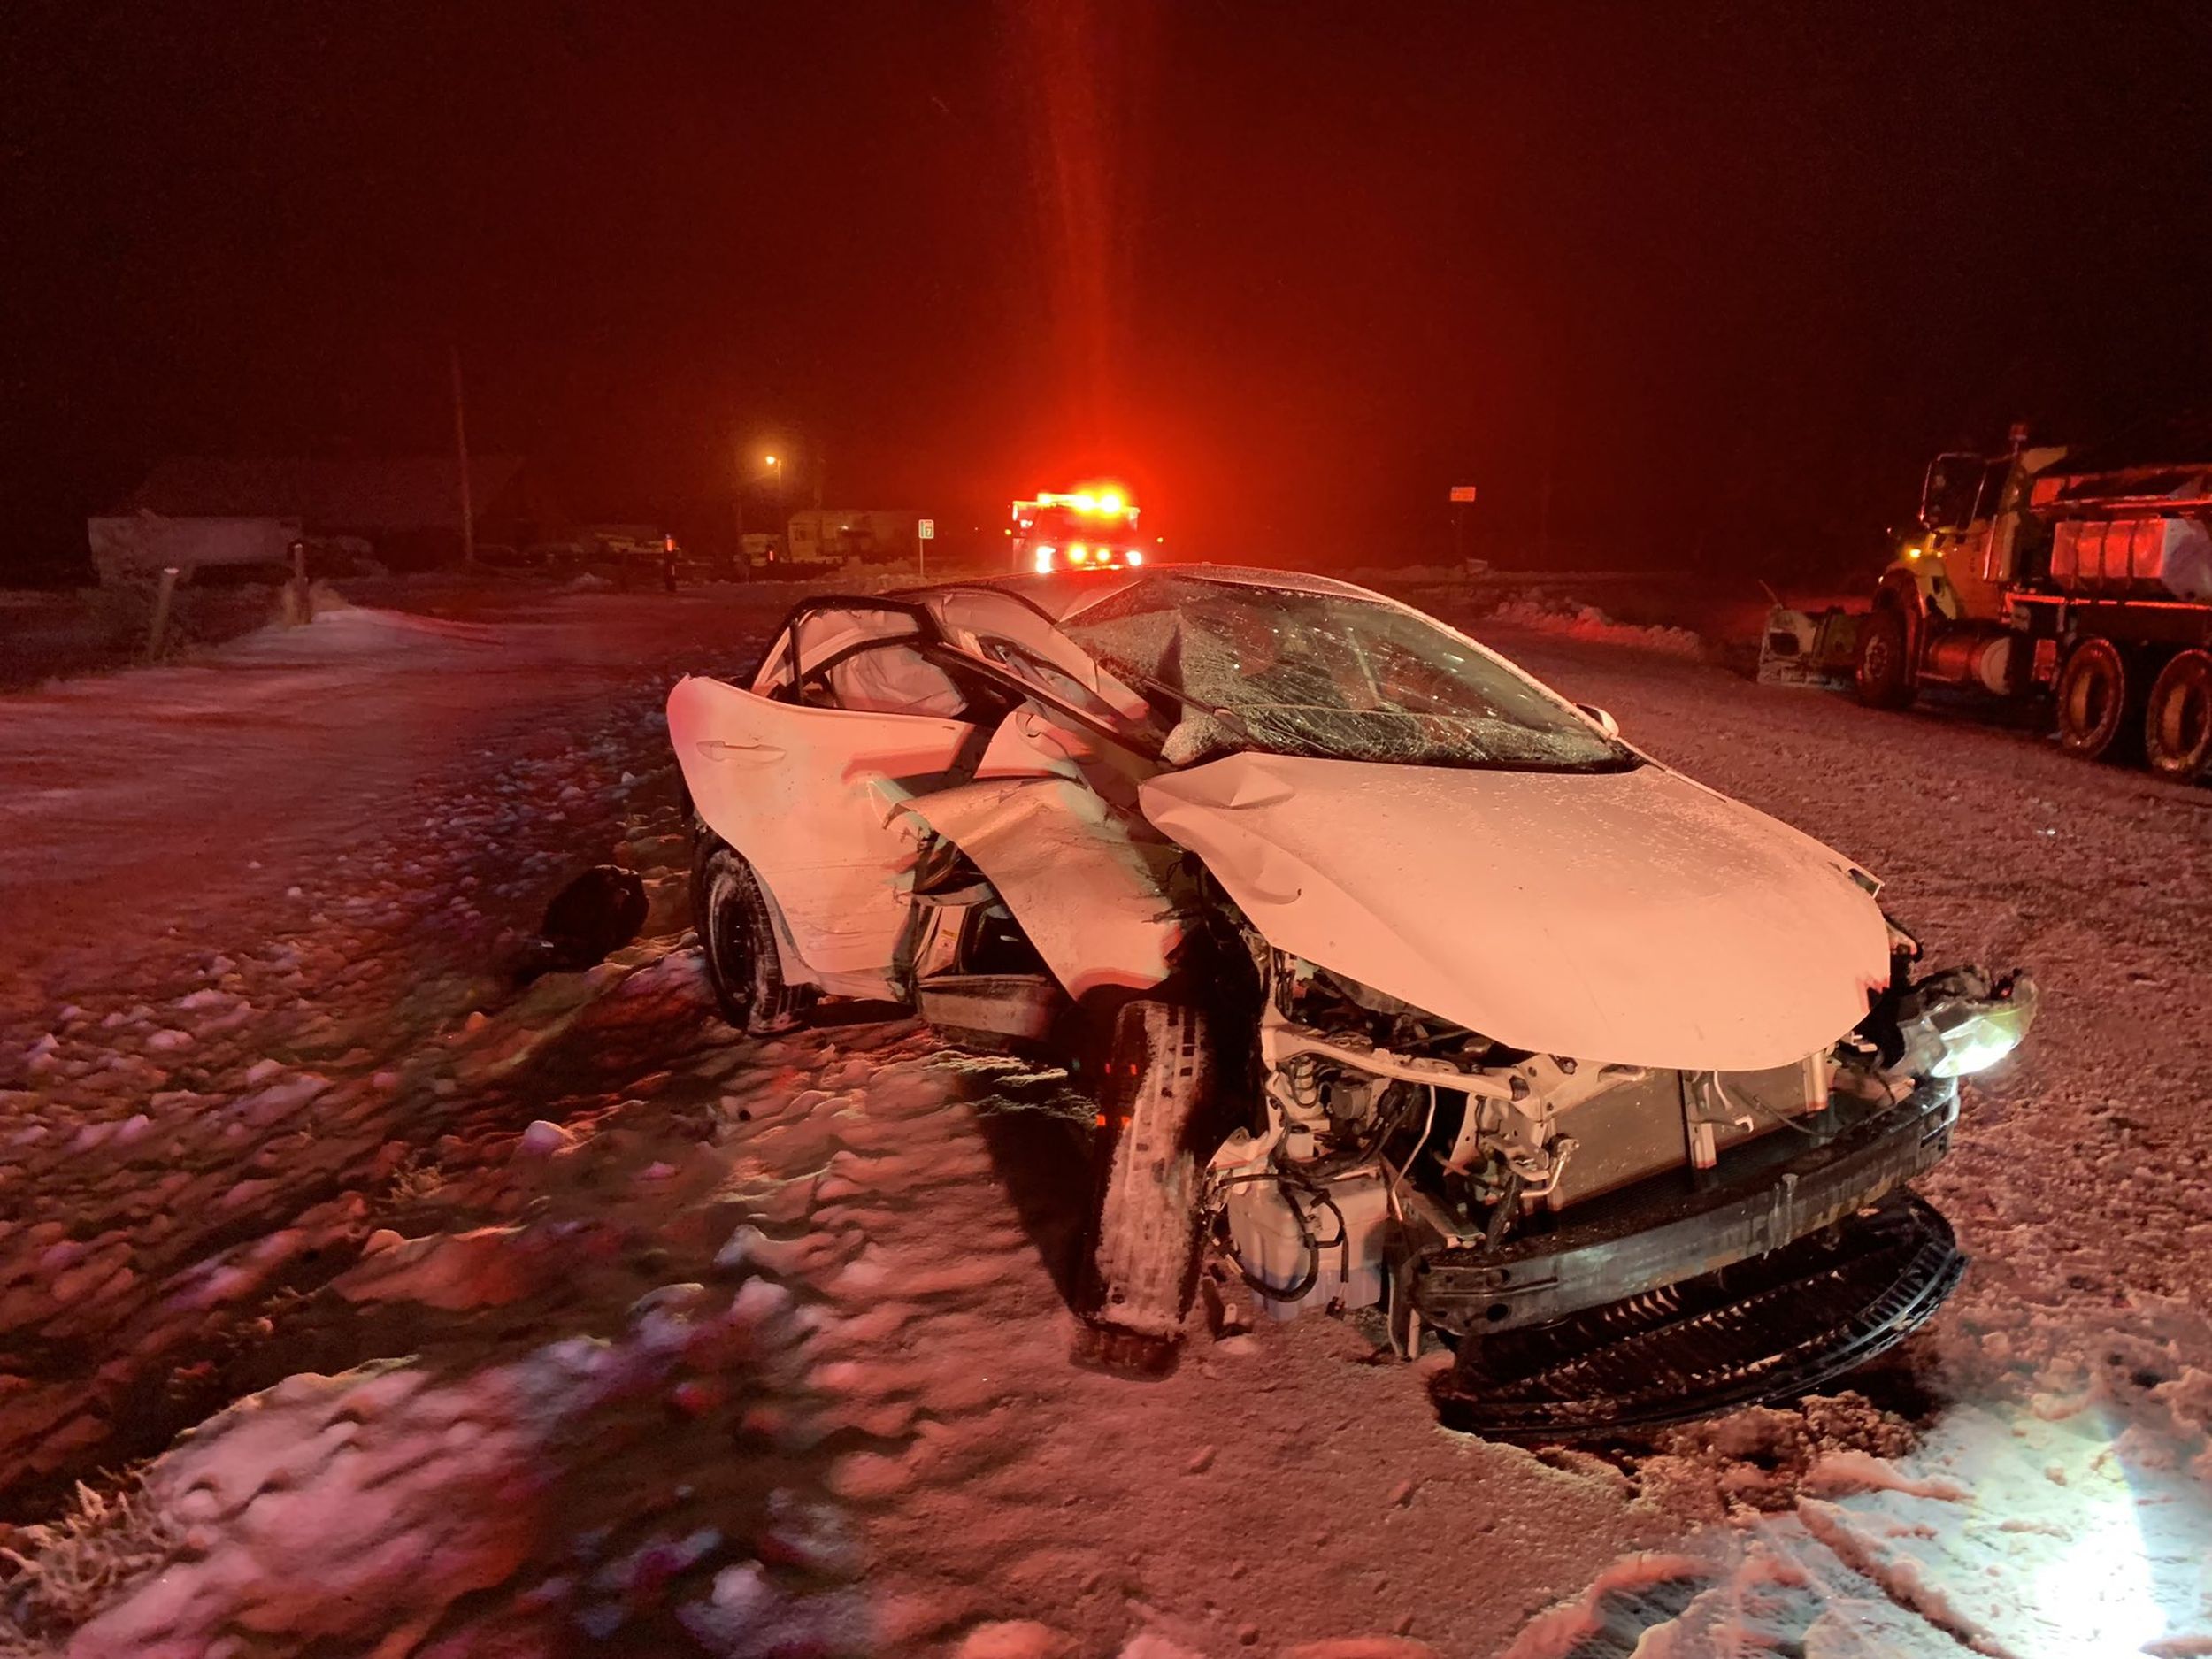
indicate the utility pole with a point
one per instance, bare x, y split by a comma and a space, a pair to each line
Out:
738, 561
461, 449
1551, 450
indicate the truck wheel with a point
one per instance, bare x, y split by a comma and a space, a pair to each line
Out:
1883, 676
2177, 725
739, 936
1156, 1101
2099, 702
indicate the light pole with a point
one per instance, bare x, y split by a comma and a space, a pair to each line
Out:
774, 463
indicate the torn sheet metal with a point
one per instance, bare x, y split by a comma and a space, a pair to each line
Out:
1092, 898
1633, 917
1037, 740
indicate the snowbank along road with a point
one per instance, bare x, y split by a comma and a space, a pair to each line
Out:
353, 1299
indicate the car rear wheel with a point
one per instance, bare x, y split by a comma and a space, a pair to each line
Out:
1882, 676
2097, 695
739, 936
1157, 1101
2177, 725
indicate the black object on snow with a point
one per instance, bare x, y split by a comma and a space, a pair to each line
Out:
589, 919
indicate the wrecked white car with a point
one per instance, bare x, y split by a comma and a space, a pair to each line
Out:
1399, 980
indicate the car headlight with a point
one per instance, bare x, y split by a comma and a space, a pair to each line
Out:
1984, 1038
1961, 1022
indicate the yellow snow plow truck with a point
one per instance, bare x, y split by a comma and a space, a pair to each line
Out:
2084, 576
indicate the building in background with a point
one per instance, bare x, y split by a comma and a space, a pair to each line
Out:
852, 536
403, 513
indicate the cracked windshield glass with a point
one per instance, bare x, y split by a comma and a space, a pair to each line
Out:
1333, 676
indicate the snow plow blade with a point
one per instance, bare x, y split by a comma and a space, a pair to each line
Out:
1768, 1327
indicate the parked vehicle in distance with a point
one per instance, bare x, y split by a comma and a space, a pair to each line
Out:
1400, 980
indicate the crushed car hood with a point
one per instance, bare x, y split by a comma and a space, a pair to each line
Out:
1634, 916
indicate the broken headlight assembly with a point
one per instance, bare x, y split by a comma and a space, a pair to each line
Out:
1961, 1021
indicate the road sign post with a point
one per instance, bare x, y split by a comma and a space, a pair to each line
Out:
925, 533
1462, 498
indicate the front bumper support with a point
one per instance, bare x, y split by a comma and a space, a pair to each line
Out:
1683, 1224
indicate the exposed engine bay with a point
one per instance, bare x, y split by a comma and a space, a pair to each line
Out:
1409, 1163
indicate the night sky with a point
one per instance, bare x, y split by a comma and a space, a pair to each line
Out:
1728, 273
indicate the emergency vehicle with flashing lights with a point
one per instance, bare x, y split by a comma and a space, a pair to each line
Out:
1084, 529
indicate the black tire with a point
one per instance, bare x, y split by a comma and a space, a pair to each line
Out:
2099, 703
2178, 719
738, 935
1158, 1099
1882, 676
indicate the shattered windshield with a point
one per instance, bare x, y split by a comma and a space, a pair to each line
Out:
1333, 676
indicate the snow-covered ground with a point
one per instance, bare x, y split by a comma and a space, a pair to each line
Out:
503, 1321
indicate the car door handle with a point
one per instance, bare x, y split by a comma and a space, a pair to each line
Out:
757, 754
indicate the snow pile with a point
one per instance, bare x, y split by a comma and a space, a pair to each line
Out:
1383, 578
2034, 1534
345, 630
1590, 625
314, 1128
347, 1509
2029, 1524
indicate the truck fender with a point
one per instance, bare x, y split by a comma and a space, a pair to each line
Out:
1902, 589
1906, 590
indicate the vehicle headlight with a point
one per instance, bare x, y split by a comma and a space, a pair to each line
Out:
1962, 1022
1986, 1037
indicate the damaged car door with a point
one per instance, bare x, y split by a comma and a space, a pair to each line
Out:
802, 777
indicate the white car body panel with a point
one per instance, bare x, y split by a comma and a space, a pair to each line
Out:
811, 798
1633, 917
1030, 743
1089, 894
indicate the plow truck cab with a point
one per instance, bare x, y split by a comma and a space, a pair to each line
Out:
2082, 577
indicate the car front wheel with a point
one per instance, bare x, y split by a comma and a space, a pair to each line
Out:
739, 936
1157, 1103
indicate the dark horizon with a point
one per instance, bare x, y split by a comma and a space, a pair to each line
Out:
1727, 276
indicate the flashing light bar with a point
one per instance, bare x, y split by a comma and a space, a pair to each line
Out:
1105, 503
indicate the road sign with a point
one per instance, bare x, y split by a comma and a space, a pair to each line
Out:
1462, 491
927, 530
